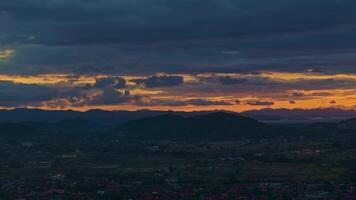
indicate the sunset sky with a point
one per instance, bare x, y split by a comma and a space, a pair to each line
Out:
177, 54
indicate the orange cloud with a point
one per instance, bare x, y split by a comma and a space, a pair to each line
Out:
290, 76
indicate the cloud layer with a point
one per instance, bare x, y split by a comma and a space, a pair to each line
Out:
140, 36
204, 91
168, 54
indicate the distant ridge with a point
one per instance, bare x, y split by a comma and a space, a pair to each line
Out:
121, 116
213, 126
300, 114
53, 116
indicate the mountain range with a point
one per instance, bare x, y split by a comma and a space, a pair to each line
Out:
214, 126
121, 116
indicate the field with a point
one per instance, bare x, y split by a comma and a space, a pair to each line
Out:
109, 167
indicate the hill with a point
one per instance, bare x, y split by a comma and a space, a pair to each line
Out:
213, 126
332, 114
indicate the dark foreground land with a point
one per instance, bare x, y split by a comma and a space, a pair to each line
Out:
110, 168
315, 163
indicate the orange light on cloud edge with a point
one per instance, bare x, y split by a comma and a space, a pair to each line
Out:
304, 104
340, 98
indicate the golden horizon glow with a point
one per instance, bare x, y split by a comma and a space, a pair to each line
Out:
279, 97
290, 76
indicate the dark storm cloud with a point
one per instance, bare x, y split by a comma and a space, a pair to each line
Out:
174, 36
160, 81
76, 21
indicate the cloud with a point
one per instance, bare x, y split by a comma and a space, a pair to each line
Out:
309, 94
12, 94
227, 80
297, 94
106, 37
203, 102
115, 82
160, 81
139, 15
91, 69
321, 94
178, 103
64, 36
259, 103
110, 96
292, 102
238, 101
332, 102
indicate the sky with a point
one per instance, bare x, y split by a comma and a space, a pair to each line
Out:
182, 55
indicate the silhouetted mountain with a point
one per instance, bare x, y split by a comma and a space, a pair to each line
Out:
121, 116
98, 116
173, 125
213, 126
